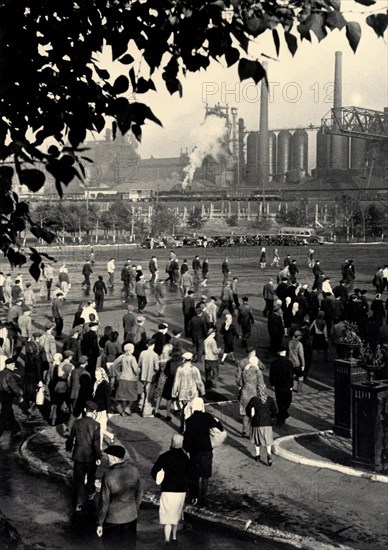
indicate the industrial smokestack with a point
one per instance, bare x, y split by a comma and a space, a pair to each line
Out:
339, 144
338, 81
263, 137
241, 159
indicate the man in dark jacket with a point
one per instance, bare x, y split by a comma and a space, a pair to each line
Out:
90, 348
276, 327
197, 443
198, 331
161, 338
282, 290
268, 295
86, 272
9, 389
318, 277
120, 499
129, 321
57, 311
188, 308
125, 277
196, 268
84, 440
340, 291
281, 377
245, 320
293, 269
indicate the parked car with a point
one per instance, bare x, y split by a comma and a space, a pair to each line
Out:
173, 242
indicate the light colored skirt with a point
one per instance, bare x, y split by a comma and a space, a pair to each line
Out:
171, 508
262, 435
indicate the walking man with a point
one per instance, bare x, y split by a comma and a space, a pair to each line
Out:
281, 377
120, 499
8, 391
111, 267
84, 440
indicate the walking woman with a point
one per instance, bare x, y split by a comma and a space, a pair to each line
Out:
229, 333
261, 411
124, 376
173, 467
102, 396
276, 258
319, 333
248, 383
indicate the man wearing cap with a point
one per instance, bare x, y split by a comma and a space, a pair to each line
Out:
294, 270
57, 312
129, 322
9, 389
161, 338
245, 320
212, 360
268, 295
350, 275
176, 341
281, 377
84, 440
119, 503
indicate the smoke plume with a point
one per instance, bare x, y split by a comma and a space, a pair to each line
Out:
210, 138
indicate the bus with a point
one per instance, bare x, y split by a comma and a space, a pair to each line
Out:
305, 235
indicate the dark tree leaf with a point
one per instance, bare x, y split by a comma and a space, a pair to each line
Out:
15, 258
7, 204
144, 85
366, 2
121, 84
77, 134
53, 151
251, 69
35, 271
232, 55
353, 34
102, 73
292, 42
335, 20
6, 174
276, 39
126, 59
136, 129
34, 179
41, 233
378, 22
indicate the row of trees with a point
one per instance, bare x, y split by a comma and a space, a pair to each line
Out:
79, 219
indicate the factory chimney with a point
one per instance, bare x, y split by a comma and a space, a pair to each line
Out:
263, 137
339, 144
241, 157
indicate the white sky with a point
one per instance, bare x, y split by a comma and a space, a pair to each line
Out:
301, 95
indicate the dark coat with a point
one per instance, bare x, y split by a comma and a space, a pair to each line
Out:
198, 327
160, 341
84, 439
282, 291
264, 412
121, 494
197, 436
175, 464
275, 325
188, 307
102, 396
281, 374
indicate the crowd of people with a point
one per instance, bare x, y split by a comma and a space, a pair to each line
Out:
95, 371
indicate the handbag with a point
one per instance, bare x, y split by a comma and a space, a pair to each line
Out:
217, 437
160, 477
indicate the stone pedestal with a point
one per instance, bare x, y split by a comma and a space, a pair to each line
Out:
346, 373
370, 425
